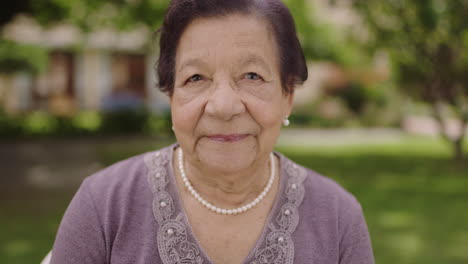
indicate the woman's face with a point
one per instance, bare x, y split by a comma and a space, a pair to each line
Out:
228, 104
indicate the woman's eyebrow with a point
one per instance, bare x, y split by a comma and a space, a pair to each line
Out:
243, 61
255, 59
192, 63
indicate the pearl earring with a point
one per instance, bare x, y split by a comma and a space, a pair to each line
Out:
286, 121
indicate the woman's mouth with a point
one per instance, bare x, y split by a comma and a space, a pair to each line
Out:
228, 138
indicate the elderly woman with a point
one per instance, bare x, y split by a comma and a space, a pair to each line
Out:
220, 195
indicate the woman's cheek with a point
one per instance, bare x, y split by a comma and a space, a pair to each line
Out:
183, 114
264, 109
262, 91
187, 110
193, 91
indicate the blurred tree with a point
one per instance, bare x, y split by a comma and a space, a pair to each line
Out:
323, 41
428, 44
21, 57
8, 11
86, 14
89, 14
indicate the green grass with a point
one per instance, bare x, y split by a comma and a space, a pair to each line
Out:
29, 220
414, 196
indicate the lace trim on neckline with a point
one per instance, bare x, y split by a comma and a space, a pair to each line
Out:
175, 242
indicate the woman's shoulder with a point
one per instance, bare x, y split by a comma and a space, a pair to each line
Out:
322, 189
126, 175
324, 186
110, 202
331, 213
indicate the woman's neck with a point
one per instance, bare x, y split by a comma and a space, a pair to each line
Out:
229, 189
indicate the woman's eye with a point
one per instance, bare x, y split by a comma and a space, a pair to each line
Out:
252, 76
195, 78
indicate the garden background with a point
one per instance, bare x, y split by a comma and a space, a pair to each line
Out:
384, 113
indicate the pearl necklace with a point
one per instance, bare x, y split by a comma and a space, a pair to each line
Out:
218, 210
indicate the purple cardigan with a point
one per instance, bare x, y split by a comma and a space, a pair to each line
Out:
130, 212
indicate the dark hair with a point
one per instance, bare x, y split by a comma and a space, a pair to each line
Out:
181, 13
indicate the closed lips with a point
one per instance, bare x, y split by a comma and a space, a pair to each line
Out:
228, 138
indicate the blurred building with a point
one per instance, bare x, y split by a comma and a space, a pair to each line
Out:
87, 71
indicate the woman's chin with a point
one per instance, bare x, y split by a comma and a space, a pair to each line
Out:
227, 156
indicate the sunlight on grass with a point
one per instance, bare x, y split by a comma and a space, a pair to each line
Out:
398, 219
451, 185
407, 245
459, 248
387, 182
17, 248
413, 194
408, 145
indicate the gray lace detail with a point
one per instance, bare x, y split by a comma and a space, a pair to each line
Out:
175, 245
278, 247
173, 241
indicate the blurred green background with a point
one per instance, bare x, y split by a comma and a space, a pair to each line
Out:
384, 112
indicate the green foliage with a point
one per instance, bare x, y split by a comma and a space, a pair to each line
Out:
309, 119
40, 124
322, 41
427, 43
22, 57
92, 14
124, 121
86, 14
47, 11
87, 121
358, 96
149, 12
10, 125
428, 46
159, 124
353, 105
355, 96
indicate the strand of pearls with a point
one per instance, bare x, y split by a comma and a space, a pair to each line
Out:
218, 210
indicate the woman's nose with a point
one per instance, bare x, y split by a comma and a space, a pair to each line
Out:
224, 103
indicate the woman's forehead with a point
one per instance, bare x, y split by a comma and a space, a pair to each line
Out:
241, 38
